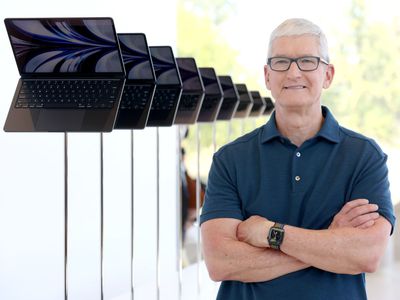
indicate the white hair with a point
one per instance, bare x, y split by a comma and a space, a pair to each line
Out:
296, 27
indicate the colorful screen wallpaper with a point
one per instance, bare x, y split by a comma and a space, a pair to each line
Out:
164, 65
136, 56
83, 46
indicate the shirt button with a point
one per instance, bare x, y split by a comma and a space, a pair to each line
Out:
297, 178
298, 154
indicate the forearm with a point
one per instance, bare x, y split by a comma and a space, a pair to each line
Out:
235, 260
341, 250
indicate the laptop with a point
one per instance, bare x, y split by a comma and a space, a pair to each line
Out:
72, 75
140, 82
246, 102
213, 95
231, 98
168, 87
259, 104
192, 91
269, 106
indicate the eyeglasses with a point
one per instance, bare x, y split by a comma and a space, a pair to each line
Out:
305, 63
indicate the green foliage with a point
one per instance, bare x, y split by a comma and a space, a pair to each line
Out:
216, 11
366, 94
199, 37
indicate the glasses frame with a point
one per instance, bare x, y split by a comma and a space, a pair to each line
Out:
319, 59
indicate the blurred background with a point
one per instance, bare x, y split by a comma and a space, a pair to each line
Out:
231, 36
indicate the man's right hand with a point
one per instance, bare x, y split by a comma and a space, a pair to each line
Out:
357, 213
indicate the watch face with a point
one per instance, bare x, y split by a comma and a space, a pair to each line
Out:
276, 235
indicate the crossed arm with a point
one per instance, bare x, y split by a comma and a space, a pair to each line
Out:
227, 258
354, 243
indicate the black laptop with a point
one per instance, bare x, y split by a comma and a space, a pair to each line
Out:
246, 102
168, 87
269, 106
258, 105
72, 74
213, 95
140, 82
231, 98
192, 91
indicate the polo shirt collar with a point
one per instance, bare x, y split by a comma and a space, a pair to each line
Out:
329, 130
270, 131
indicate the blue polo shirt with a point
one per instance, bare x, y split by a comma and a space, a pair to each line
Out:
263, 173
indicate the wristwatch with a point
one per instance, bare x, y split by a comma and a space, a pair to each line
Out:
275, 236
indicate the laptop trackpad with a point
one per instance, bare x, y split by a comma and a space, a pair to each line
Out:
60, 120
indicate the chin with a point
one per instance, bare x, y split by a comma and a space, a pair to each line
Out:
294, 103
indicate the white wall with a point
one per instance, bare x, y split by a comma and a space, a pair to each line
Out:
32, 185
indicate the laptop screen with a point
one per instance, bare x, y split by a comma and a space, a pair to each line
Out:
81, 46
164, 65
210, 81
227, 87
136, 56
189, 74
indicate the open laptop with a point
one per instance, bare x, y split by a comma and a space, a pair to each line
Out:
246, 102
140, 82
168, 87
192, 91
213, 95
258, 105
269, 106
72, 74
231, 98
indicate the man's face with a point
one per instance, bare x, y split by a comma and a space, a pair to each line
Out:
294, 88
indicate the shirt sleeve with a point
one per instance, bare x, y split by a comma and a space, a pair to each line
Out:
372, 183
221, 199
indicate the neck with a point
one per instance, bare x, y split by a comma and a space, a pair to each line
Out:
299, 125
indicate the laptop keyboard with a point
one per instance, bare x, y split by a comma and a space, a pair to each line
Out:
135, 97
188, 102
68, 93
164, 99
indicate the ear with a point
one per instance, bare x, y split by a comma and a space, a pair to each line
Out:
329, 74
266, 77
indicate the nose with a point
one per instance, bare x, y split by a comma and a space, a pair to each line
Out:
294, 71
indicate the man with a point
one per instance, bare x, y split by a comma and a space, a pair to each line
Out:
300, 208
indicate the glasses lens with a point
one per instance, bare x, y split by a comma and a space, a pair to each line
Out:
308, 63
280, 63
